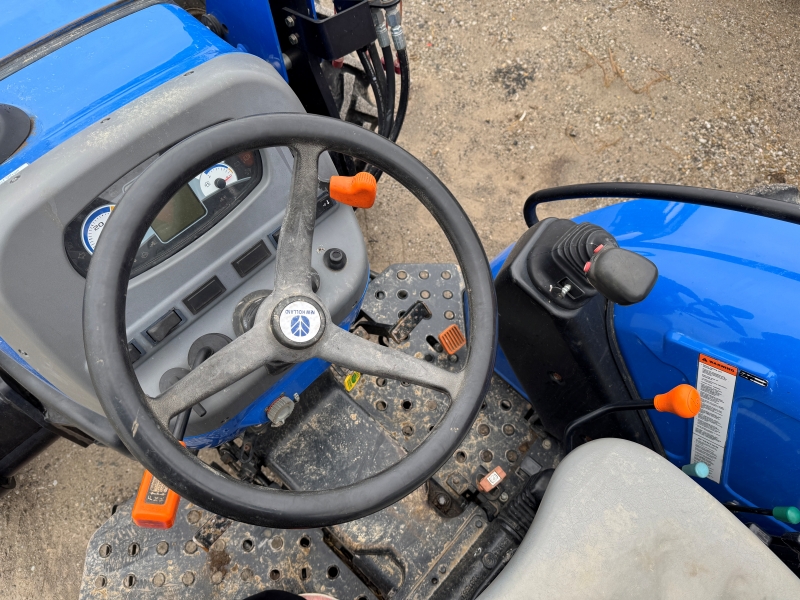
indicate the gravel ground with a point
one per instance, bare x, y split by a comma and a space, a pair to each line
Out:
507, 98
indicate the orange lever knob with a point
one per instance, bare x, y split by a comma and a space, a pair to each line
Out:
358, 191
683, 400
155, 506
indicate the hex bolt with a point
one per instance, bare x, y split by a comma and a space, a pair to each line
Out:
504, 497
159, 579
218, 546
190, 547
489, 560
294, 39
547, 444
216, 578
478, 523
442, 569
187, 578
289, 21
193, 516
441, 499
162, 548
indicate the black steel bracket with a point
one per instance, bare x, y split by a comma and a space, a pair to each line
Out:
338, 35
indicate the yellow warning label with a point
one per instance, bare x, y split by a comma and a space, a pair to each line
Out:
351, 380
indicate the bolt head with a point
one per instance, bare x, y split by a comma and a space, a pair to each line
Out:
294, 39
504, 497
289, 21
547, 444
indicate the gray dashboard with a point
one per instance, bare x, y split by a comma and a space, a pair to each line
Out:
41, 293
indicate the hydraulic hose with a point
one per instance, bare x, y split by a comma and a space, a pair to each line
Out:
388, 61
380, 101
405, 86
88, 421
380, 75
754, 205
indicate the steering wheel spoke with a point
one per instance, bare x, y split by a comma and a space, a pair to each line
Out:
241, 357
293, 263
349, 350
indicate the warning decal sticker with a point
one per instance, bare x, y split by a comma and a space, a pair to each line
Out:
716, 381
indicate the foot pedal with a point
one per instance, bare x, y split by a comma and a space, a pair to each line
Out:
452, 340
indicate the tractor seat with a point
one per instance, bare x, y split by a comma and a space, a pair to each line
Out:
619, 521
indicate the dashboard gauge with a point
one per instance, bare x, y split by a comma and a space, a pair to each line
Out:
209, 178
93, 226
192, 211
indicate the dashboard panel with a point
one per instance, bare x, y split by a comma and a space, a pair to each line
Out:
193, 210
207, 266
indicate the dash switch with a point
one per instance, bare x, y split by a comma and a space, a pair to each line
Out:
164, 326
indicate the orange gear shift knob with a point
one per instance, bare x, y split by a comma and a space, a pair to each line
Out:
358, 191
683, 400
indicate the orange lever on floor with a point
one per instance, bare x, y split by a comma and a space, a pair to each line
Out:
358, 191
156, 505
683, 400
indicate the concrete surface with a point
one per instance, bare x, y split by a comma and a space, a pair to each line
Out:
507, 98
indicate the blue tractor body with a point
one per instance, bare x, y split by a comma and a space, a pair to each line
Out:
726, 280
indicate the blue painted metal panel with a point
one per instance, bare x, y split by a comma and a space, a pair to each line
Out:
727, 288
250, 28
22, 23
77, 85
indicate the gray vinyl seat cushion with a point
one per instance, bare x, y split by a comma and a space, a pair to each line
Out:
619, 521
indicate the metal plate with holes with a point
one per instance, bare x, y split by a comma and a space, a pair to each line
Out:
125, 561
332, 438
395, 291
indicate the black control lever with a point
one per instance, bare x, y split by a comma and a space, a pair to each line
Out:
571, 262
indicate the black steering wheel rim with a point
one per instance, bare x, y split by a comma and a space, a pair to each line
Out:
124, 402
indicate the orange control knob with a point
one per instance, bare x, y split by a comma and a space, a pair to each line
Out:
683, 400
358, 191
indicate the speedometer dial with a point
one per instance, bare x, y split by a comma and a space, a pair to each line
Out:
216, 178
93, 226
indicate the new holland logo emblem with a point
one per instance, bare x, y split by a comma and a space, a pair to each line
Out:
300, 321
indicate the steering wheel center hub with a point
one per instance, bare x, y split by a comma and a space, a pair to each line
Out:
298, 322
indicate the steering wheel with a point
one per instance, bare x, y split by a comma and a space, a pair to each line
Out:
142, 421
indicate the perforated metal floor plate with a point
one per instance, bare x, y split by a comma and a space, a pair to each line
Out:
124, 561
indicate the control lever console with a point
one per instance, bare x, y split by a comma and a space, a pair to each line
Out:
571, 262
